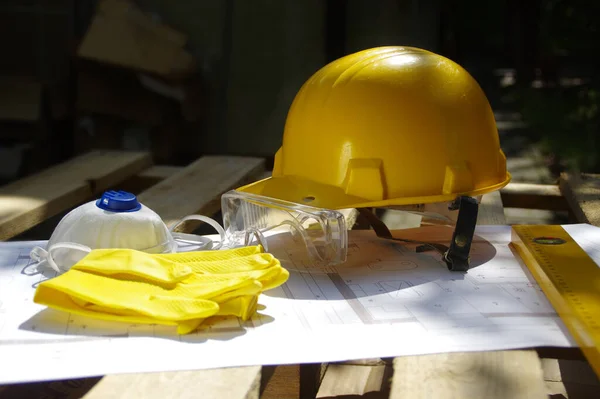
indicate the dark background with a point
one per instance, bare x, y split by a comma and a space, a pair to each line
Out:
233, 67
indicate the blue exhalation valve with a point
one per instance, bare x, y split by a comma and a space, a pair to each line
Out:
118, 201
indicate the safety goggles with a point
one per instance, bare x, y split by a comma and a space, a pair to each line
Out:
310, 235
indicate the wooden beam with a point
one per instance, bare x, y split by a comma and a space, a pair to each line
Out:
235, 383
491, 209
132, 39
353, 379
533, 196
149, 177
494, 374
197, 188
582, 193
160, 172
29, 201
280, 381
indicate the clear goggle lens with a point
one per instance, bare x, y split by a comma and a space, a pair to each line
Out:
310, 235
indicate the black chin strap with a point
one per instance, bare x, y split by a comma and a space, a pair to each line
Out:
456, 255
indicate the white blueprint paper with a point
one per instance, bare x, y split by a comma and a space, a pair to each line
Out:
385, 301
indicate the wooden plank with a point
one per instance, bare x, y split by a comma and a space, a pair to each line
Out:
533, 196
291, 381
280, 381
494, 374
149, 177
359, 380
134, 40
197, 188
582, 193
235, 383
160, 172
575, 377
491, 209
63, 389
29, 201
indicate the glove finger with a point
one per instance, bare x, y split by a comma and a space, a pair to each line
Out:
210, 286
239, 264
212, 255
243, 307
187, 326
276, 280
132, 264
179, 308
97, 288
159, 308
253, 289
269, 278
122, 296
63, 302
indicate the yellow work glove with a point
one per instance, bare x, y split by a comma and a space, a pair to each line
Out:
239, 262
175, 289
261, 266
245, 262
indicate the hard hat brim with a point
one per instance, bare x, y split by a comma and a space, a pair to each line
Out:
308, 192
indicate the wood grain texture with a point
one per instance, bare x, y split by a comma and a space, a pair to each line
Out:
29, 201
149, 177
234, 383
197, 188
160, 172
494, 374
582, 192
134, 40
346, 379
491, 209
280, 381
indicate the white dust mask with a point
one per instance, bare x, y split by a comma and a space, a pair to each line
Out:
116, 220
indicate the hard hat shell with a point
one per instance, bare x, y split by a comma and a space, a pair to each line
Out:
387, 126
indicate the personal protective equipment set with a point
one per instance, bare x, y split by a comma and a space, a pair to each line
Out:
181, 289
384, 127
117, 260
116, 220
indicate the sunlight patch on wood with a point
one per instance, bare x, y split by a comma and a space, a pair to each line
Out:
11, 206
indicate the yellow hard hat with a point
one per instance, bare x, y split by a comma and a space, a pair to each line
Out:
387, 126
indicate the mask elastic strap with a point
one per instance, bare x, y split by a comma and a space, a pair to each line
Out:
39, 256
197, 239
65, 245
